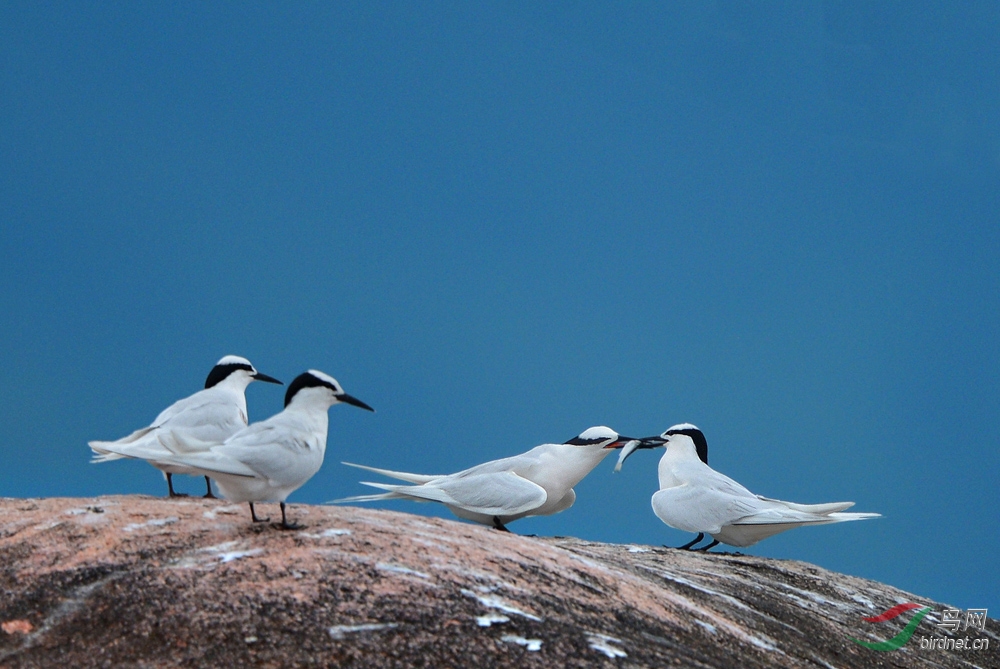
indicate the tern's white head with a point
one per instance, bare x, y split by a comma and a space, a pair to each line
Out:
232, 369
600, 437
316, 387
681, 433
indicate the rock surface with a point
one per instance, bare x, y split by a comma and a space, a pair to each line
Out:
146, 582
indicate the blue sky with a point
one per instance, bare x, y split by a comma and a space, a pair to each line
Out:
500, 224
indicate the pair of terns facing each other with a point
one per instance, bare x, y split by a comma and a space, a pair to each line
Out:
262, 462
540, 482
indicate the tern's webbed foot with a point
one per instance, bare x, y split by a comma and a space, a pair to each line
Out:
704, 549
208, 487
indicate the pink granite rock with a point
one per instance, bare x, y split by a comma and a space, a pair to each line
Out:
139, 581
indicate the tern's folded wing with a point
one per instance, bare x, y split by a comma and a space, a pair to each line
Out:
698, 475
824, 509
697, 509
135, 436
751, 529
193, 409
179, 443
495, 494
147, 449
211, 419
282, 457
209, 463
784, 515
130, 446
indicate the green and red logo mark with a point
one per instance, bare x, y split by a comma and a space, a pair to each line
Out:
900, 639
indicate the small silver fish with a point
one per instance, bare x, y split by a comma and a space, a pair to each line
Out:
627, 450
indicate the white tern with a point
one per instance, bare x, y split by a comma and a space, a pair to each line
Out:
268, 460
536, 483
211, 415
696, 498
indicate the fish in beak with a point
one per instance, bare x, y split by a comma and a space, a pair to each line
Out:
636, 444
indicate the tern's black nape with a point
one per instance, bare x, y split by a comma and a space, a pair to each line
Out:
700, 443
314, 379
219, 373
309, 380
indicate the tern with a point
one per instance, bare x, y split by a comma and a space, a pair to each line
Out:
266, 461
536, 483
210, 415
696, 498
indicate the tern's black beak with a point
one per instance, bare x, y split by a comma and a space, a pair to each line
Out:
620, 441
645, 442
349, 399
264, 377
634, 445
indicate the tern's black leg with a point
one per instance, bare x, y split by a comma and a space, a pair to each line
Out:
208, 484
715, 542
170, 486
688, 545
285, 525
253, 514
498, 525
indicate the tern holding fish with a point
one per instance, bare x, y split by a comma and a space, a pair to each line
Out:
536, 483
696, 498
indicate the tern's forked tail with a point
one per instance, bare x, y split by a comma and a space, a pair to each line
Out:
401, 476
368, 498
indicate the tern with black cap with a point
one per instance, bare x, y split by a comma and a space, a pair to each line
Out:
269, 460
536, 483
696, 498
209, 416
